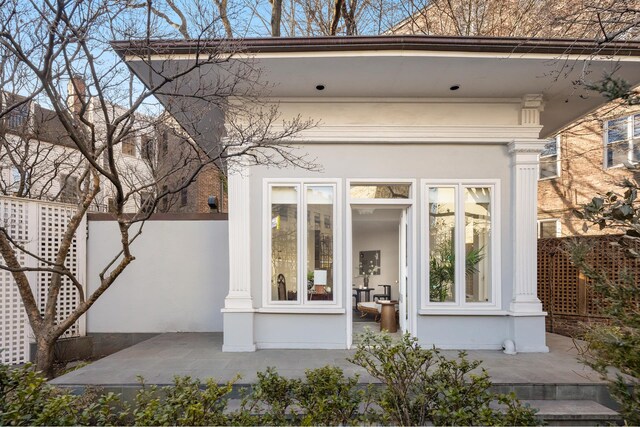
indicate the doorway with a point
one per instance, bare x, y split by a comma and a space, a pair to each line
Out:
379, 269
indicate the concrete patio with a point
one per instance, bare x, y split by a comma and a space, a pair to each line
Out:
200, 355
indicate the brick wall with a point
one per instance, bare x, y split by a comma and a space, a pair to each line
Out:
582, 174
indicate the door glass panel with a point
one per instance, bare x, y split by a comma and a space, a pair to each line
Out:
477, 241
380, 191
320, 235
442, 265
284, 243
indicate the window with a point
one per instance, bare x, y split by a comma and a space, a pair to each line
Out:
69, 189
18, 117
148, 148
129, 146
146, 202
549, 228
622, 141
16, 179
302, 249
380, 191
111, 205
550, 159
460, 245
184, 196
165, 142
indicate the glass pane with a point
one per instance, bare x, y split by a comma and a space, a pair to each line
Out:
636, 126
550, 148
617, 130
477, 244
284, 244
379, 191
547, 229
617, 153
548, 167
320, 286
442, 263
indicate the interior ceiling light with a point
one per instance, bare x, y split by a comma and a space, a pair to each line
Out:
454, 87
320, 87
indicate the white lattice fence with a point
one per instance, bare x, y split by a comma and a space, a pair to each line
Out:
38, 226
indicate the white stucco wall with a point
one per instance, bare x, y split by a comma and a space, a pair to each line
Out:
390, 141
177, 282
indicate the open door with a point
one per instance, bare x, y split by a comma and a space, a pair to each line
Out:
402, 298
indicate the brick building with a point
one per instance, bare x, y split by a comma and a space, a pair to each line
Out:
586, 159
177, 159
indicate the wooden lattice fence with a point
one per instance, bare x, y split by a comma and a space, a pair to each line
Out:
565, 292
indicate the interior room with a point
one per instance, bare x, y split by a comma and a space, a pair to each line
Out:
376, 265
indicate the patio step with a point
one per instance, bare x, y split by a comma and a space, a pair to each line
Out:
574, 412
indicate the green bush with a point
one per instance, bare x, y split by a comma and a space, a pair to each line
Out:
27, 399
421, 386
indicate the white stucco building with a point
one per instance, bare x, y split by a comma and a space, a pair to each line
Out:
428, 148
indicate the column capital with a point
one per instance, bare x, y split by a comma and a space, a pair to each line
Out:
532, 105
526, 146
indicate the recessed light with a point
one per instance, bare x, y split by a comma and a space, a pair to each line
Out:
320, 87
454, 87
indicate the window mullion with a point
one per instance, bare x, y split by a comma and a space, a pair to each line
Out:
302, 244
459, 250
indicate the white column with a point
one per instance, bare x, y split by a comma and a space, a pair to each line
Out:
524, 208
238, 308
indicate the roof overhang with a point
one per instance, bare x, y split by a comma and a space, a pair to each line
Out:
419, 67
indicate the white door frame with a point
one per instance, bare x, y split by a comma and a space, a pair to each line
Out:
412, 237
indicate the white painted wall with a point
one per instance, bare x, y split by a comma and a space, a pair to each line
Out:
372, 235
177, 282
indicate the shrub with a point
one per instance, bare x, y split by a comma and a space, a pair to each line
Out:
27, 399
324, 397
421, 386
186, 402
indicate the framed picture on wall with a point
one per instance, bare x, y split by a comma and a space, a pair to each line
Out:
369, 263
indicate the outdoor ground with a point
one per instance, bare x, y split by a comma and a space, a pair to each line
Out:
200, 355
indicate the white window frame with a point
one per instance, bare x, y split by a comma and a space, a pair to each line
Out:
460, 305
301, 304
629, 139
558, 226
558, 165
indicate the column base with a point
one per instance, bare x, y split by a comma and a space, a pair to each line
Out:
532, 306
528, 333
238, 331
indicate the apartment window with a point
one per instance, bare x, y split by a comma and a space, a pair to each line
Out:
111, 205
165, 198
165, 142
69, 189
148, 148
146, 202
184, 196
18, 117
550, 159
548, 228
622, 141
460, 245
129, 146
301, 249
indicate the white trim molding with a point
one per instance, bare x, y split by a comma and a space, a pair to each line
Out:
418, 134
524, 207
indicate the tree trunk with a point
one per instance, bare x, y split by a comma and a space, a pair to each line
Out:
45, 356
276, 17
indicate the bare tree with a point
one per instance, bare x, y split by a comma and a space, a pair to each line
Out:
56, 49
